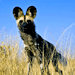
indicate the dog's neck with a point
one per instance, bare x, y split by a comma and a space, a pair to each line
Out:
28, 38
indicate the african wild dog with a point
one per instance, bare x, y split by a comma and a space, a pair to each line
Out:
35, 45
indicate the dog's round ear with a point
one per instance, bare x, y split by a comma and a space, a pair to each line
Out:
31, 11
17, 12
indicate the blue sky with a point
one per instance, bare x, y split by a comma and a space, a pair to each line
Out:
52, 15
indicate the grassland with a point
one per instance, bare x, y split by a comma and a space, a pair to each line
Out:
13, 59
13, 64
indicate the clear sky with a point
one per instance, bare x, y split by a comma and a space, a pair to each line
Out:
52, 15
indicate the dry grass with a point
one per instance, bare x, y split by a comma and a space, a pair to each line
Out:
12, 62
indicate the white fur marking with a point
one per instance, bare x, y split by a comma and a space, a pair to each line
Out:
25, 45
41, 66
36, 43
28, 66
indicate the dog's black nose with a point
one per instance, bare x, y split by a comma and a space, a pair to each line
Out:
24, 23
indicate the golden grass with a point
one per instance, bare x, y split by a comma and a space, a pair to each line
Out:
11, 63
14, 63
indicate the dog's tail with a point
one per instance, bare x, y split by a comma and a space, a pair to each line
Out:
63, 61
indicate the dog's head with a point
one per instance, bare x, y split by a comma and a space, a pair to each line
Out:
25, 22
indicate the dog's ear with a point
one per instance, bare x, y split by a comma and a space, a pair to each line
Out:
31, 11
17, 12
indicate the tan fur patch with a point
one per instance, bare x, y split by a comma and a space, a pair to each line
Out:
21, 18
27, 17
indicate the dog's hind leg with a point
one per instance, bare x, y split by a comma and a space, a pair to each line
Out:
58, 70
55, 64
47, 67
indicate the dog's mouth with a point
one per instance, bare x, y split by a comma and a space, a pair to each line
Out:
27, 27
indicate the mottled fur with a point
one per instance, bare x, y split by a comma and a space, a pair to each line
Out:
35, 45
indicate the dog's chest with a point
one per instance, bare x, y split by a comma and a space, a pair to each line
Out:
34, 48
27, 39
33, 52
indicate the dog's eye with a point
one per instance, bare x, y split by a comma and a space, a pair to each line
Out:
21, 21
29, 21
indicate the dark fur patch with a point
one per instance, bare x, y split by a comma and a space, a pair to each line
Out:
36, 46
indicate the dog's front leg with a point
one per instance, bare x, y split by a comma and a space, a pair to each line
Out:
41, 68
29, 67
30, 59
55, 64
